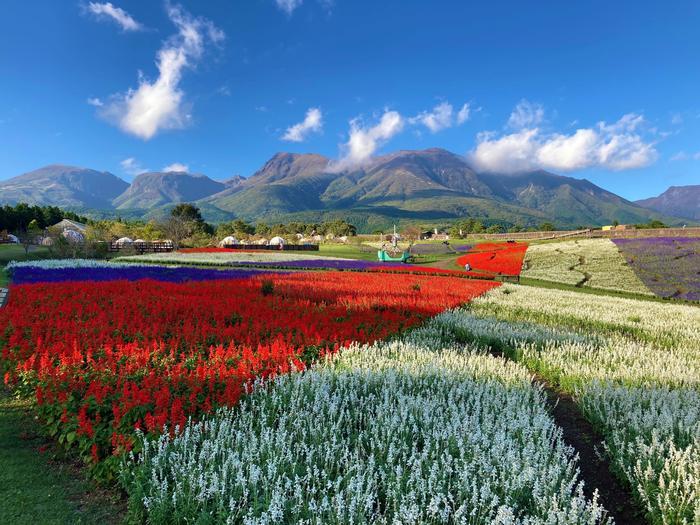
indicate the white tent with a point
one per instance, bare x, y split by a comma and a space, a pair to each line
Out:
72, 236
277, 241
13, 238
123, 241
140, 241
228, 241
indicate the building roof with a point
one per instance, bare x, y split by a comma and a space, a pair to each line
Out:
67, 224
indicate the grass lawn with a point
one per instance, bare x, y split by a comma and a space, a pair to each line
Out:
15, 252
349, 251
43, 487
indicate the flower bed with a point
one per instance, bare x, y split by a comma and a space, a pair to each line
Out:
669, 266
223, 257
491, 259
400, 432
114, 272
636, 381
591, 263
105, 359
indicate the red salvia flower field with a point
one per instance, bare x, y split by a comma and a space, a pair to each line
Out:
491, 259
105, 359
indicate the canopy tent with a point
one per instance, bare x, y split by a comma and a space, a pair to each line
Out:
277, 241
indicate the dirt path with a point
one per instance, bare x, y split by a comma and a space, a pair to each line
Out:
594, 470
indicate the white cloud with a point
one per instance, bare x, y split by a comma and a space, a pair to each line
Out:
526, 115
441, 117
682, 155
463, 114
677, 119
288, 6
312, 123
363, 141
176, 166
94, 101
121, 17
617, 146
157, 105
132, 167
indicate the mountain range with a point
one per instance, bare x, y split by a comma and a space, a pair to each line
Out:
679, 201
427, 187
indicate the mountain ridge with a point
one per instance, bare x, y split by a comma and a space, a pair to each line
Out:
680, 201
430, 186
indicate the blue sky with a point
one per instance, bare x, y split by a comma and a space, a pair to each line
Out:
608, 91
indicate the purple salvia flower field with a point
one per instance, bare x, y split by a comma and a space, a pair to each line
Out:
669, 266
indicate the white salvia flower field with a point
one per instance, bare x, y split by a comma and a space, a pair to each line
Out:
594, 263
397, 432
637, 381
224, 258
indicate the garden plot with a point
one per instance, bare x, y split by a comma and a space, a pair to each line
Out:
390, 433
594, 263
639, 385
670, 266
223, 257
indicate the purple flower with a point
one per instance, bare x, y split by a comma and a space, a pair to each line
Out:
668, 266
179, 274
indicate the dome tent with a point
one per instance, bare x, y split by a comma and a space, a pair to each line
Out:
228, 241
13, 238
123, 241
277, 241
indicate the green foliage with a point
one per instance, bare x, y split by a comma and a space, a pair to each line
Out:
21, 216
651, 225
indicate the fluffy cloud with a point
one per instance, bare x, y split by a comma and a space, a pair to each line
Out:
132, 167
157, 105
313, 123
526, 115
288, 6
441, 117
618, 146
176, 166
364, 141
94, 101
108, 11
